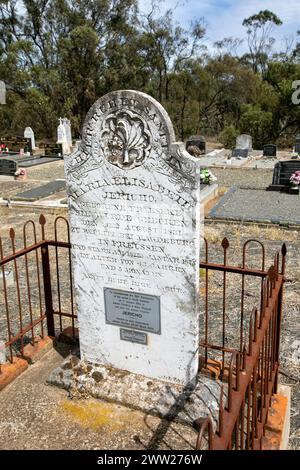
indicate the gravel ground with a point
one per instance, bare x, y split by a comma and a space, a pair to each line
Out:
34, 415
258, 205
243, 178
47, 172
36, 176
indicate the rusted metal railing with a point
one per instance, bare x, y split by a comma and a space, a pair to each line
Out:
31, 286
252, 374
244, 302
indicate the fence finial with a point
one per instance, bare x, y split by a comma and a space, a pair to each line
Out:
225, 243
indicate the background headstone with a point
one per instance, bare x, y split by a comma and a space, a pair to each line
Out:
244, 141
15, 144
135, 232
240, 153
61, 133
62, 138
29, 134
270, 150
67, 125
53, 150
197, 141
282, 173
2, 92
7, 167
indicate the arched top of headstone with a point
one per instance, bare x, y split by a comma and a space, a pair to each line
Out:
131, 109
125, 130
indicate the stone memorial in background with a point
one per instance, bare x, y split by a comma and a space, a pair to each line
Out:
196, 141
240, 153
16, 144
244, 142
2, 92
67, 125
8, 167
62, 138
282, 173
29, 134
52, 150
270, 150
135, 233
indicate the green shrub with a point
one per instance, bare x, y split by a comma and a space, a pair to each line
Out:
228, 136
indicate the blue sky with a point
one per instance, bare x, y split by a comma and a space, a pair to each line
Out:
224, 17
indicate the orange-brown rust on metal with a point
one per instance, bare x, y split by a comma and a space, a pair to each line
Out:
11, 371
273, 439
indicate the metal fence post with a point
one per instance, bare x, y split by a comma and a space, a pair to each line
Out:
278, 332
48, 290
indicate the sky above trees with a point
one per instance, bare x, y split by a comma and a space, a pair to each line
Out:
224, 17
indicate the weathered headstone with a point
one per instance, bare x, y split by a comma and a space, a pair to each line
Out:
62, 138
240, 153
7, 167
61, 133
67, 125
135, 232
29, 134
270, 150
52, 150
244, 142
282, 174
197, 141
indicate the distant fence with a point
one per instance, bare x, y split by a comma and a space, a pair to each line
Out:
241, 308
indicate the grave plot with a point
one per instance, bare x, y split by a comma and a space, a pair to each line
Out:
257, 206
40, 192
283, 172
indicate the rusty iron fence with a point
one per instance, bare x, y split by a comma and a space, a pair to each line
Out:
37, 287
241, 316
251, 375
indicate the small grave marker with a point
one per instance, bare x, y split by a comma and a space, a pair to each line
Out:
270, 150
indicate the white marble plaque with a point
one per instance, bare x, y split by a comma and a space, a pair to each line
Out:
135, 228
